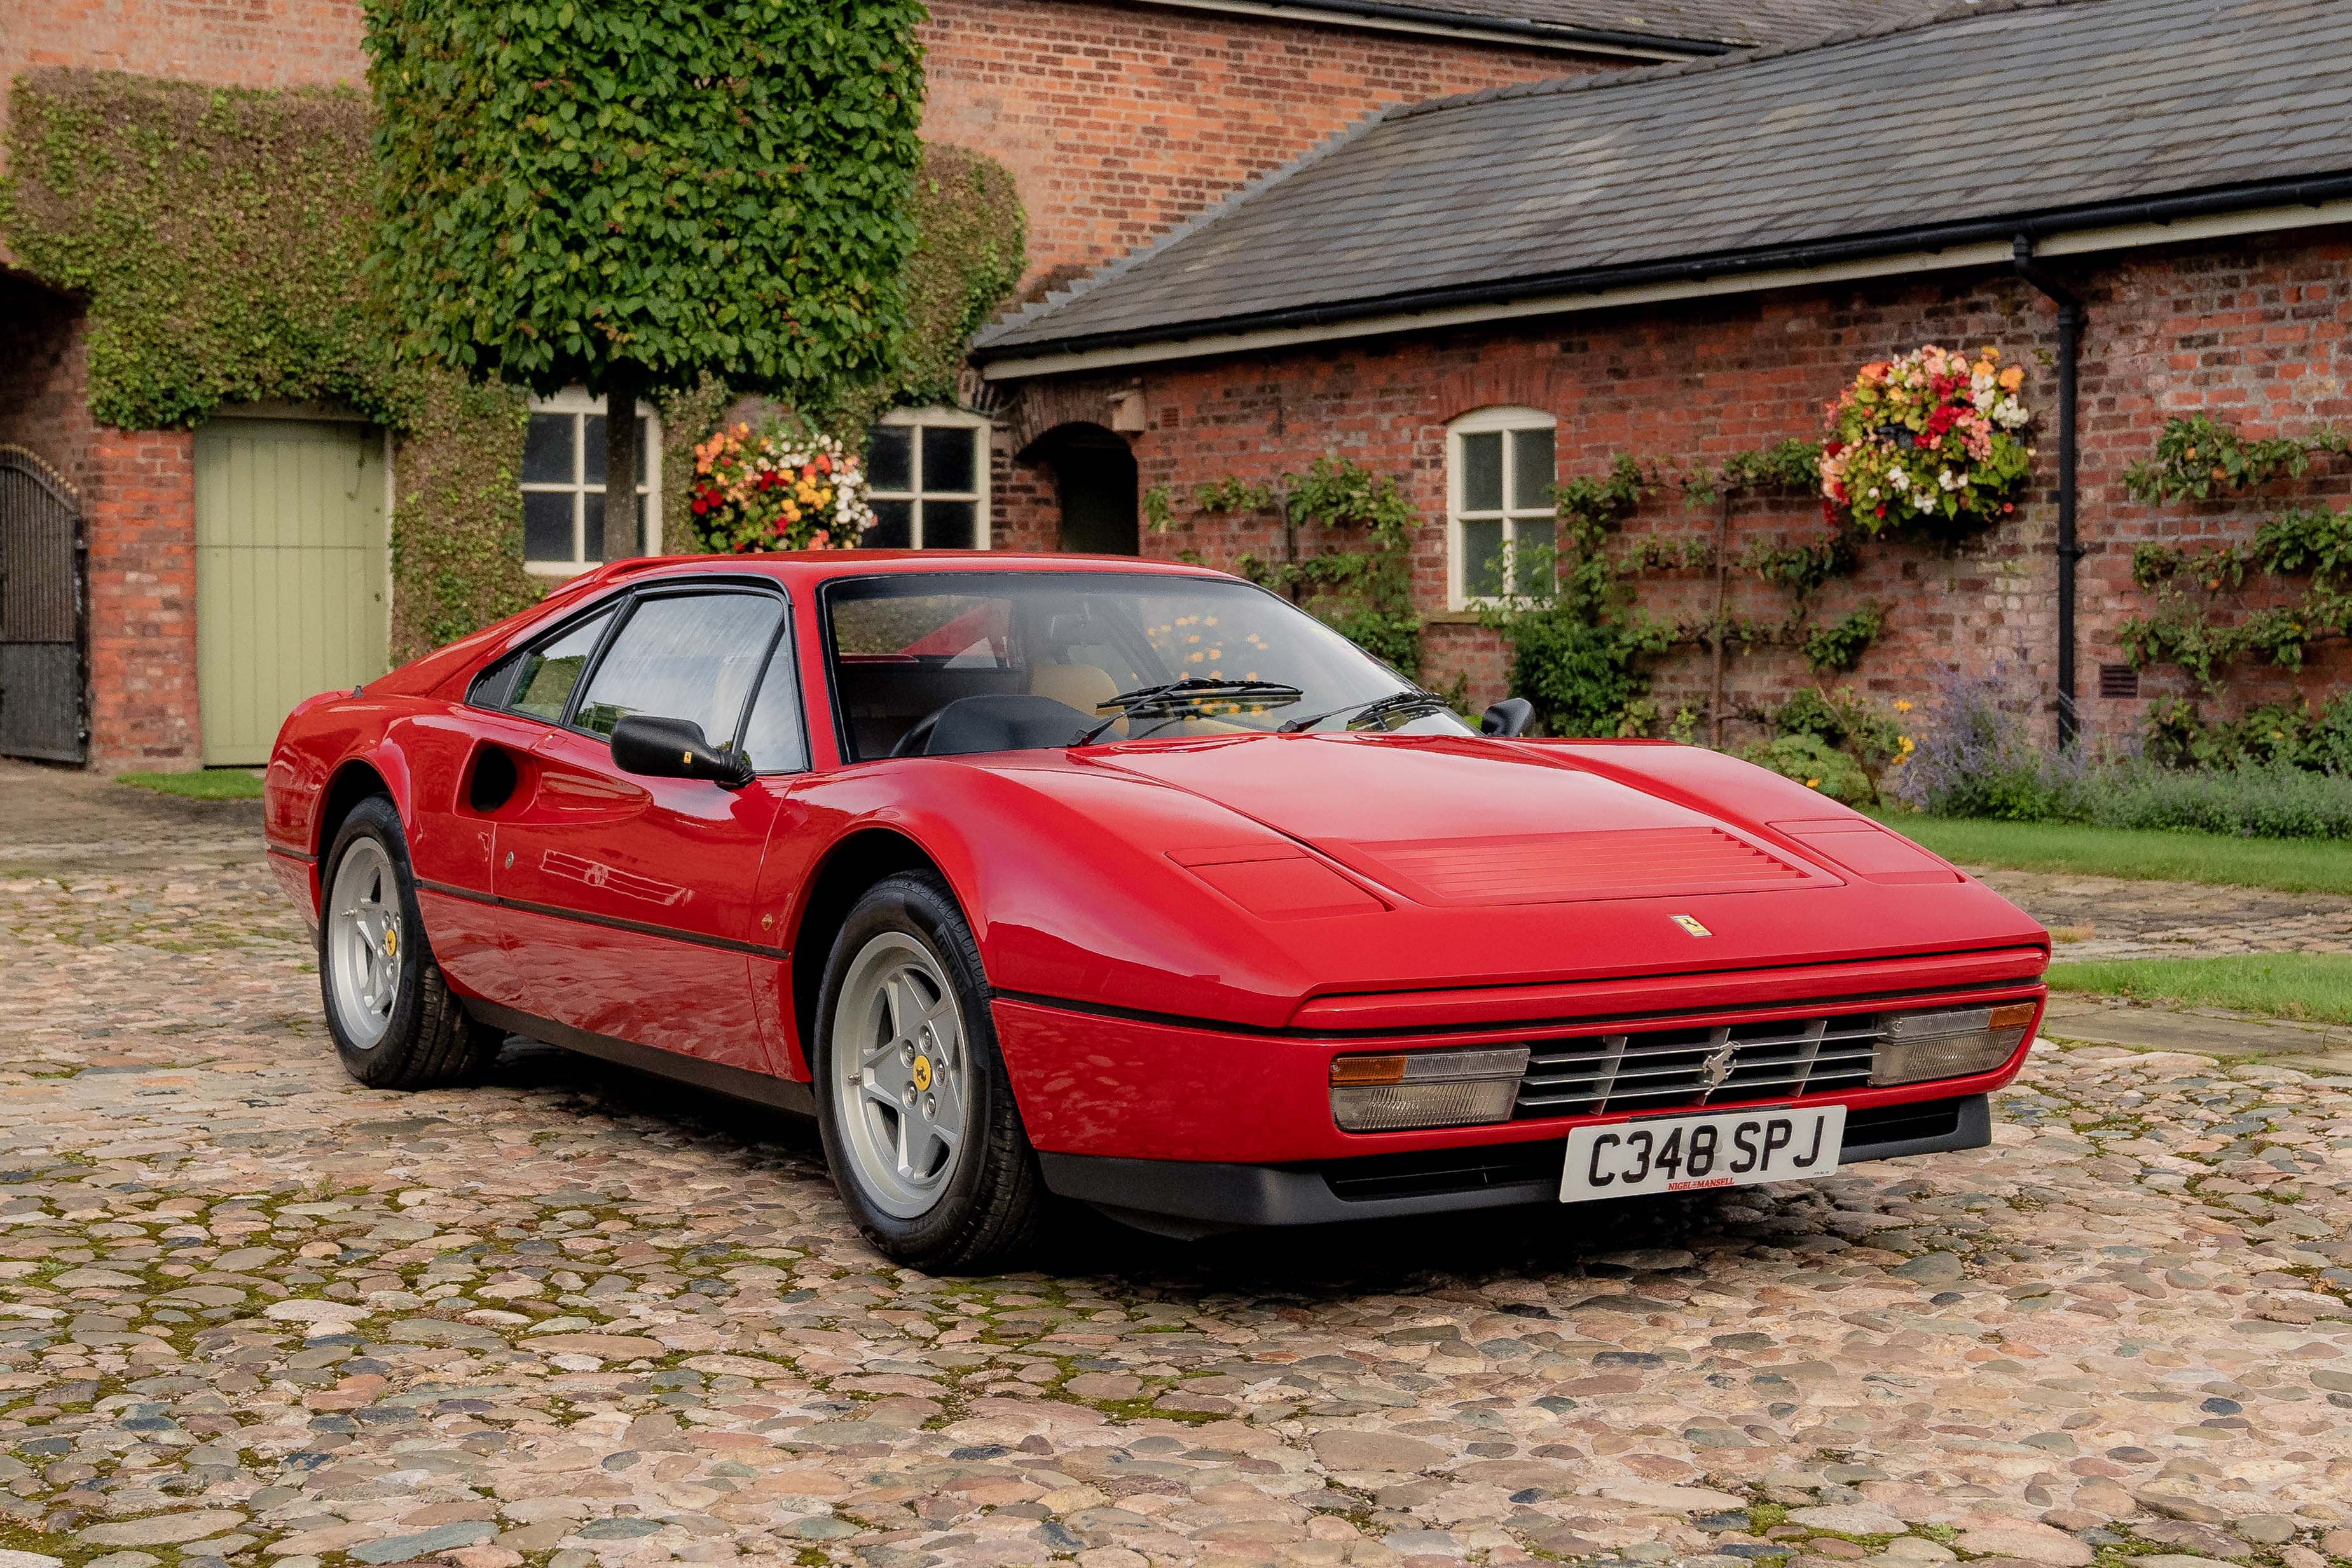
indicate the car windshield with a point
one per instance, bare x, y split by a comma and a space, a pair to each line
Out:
980, 661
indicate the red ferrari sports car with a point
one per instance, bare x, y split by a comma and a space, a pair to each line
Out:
1127, 882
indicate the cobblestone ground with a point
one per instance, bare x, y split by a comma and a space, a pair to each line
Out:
253, 1313
2107, 917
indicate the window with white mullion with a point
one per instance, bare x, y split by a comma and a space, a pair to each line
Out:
927, 473
1500, 474
563, 483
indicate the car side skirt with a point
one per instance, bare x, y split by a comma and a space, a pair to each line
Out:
737, 1083
1183, 1197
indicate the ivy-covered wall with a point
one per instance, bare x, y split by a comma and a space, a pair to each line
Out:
218, 240
219, 237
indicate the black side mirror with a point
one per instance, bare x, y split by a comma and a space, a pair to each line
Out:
675, 749
1509, 716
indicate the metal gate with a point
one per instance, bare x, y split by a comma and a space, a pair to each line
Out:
44, 689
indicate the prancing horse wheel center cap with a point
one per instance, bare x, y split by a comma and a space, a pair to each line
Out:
922, 1073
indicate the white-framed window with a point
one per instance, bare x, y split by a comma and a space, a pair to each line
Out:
563, 484
1499, 474
927, 472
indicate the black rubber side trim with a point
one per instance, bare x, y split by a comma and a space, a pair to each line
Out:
610, 922
738, 1083
1203, 1195
304, 855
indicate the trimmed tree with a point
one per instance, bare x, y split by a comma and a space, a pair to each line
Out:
628, 197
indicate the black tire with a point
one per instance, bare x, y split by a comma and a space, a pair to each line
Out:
990, 1207
429, 1041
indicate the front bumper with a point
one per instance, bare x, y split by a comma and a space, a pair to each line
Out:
1195, 1197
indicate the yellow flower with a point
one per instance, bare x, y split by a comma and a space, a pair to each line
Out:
2013, 378
1813, 783
1902, 707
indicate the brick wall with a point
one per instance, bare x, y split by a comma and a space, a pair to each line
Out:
137, 491
2254, 331
1119, 120
254, 43
141, 523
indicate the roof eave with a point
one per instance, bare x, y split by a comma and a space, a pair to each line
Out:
1388, 16
2300, 202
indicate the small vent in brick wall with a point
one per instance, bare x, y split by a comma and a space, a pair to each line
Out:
2118, 680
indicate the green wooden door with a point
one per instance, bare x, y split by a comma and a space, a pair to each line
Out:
289, 573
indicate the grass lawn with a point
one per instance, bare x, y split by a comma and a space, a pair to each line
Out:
211, 783
2288, 864
2315, 987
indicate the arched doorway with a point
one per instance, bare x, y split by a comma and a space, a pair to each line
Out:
1094, 479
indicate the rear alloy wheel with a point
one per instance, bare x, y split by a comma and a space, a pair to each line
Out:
918, 1117
396, 1024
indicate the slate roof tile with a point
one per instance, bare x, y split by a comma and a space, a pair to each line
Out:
2035, 106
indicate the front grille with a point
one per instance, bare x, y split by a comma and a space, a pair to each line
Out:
1662, 1069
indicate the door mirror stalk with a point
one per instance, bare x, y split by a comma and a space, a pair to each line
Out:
675, 749
1507, 718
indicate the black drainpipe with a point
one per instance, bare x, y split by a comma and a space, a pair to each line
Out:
2069, 345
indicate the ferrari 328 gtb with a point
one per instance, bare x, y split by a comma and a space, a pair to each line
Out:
1127, 882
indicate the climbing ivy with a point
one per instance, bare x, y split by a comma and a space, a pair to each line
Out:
218, 236
2187, 624
2196, 455
2187, 583
456, 519
1360, 582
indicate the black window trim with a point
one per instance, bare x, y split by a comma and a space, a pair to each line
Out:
622, 603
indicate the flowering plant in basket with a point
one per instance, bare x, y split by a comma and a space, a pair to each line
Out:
1929, 439
777, 489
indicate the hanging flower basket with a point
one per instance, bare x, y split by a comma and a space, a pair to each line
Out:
1928, 443
777, 488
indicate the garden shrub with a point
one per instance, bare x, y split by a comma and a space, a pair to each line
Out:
1817, 764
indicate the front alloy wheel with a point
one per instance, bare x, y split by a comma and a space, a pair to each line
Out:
920, 1125
899, 1073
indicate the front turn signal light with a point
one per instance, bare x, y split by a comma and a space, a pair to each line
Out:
1425, 1089
1959, 1042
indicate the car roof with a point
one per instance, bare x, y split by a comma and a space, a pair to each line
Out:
808, 566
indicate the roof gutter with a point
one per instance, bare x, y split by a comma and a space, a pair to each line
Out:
1385, 16
2237, 209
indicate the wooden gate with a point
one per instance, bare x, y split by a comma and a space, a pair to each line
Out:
44, 645
290, 573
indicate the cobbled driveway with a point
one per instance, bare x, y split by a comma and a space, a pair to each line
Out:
250, 1312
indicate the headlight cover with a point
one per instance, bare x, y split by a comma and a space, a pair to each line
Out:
1425, 1089
1918, 1048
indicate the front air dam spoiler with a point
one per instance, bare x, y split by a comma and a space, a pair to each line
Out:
1188, 1198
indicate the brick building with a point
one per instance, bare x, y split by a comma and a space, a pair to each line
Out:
1689, 261
1119, 118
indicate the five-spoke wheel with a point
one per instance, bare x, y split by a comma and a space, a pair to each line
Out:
899, 1073
395, 1021
918, 1121
363, 942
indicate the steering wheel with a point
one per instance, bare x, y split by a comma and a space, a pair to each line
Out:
992, 721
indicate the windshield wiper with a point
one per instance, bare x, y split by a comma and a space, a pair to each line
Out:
1174, 696
1410, 699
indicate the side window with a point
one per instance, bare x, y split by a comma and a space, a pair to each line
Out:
772, 740
548, 673
689, 656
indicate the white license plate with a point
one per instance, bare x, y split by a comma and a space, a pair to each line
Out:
1693, 1153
